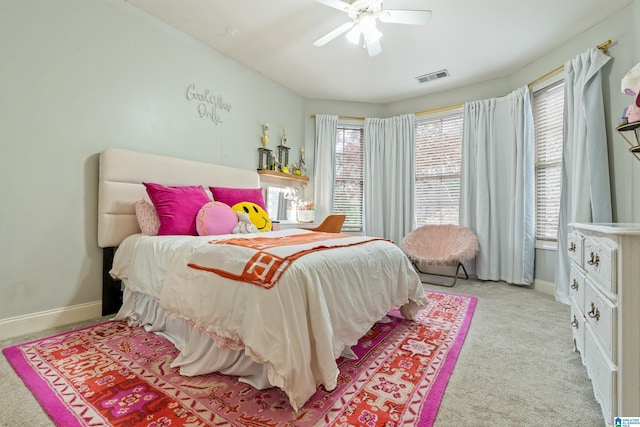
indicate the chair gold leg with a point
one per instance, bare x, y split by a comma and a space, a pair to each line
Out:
455, 277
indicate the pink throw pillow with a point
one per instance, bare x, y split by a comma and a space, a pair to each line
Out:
147, 218
232, 196
215, 218
177, 207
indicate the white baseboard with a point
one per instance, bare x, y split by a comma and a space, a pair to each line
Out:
545, 287
35, 322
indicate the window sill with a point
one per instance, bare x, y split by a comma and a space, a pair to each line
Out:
547, 245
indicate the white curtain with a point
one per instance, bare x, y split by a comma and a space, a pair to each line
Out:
497, 183
324, 169
586, 194
388, 177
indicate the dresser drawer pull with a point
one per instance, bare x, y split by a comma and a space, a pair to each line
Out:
575, 323
575, 285
595, 260
572, 248
594, 313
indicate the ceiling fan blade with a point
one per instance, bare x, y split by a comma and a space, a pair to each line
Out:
336, 4
374, 48
413, 17
333, 34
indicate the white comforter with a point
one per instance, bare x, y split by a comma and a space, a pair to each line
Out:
324, 302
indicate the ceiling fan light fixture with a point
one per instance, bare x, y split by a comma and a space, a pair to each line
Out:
363, 15
354, 34
369, 30
371, 37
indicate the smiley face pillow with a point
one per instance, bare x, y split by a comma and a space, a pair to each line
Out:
257, 215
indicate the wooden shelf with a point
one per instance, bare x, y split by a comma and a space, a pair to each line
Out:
280, 175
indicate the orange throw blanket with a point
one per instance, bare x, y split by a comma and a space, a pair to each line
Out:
263, 260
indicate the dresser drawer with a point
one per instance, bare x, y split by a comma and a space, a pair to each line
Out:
578, 327
576, 285
601, 315
600, 262
603, 375
575, 247
611, 309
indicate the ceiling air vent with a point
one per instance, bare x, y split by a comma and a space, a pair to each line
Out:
432, 76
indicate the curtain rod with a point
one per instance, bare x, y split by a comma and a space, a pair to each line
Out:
342, 117
439, 110
604, 47
433, 110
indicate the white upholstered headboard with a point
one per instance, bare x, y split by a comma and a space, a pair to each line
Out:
120, 186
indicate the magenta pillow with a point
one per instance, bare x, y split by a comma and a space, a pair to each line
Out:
215, 218
177, 207
231, 196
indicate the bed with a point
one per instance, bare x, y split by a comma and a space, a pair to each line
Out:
285, 331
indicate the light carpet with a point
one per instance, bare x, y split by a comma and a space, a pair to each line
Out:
113, 374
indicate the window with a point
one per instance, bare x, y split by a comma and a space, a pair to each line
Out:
437, 169
347, 198
548, 104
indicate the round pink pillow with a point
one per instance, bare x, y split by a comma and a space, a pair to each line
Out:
215, 218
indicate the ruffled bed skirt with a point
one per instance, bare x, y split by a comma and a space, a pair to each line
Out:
199, 353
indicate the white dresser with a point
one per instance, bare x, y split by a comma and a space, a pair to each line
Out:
605, 312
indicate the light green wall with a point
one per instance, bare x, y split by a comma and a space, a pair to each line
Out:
78, 77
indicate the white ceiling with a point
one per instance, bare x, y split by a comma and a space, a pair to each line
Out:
474, 40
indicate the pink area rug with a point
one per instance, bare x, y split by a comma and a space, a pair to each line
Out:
113, 374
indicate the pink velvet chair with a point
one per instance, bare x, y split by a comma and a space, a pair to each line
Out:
440, 245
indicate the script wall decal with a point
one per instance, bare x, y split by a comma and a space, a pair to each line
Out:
209, 106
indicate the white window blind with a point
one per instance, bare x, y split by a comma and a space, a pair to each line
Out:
548, 123
437, 169
348, 192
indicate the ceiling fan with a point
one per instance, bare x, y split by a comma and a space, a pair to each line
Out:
363, 15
